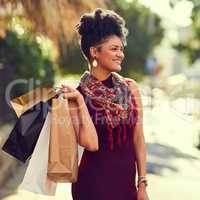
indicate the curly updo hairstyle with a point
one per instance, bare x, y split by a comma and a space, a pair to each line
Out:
97, 26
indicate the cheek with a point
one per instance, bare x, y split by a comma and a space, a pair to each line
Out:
107, 57
106, 61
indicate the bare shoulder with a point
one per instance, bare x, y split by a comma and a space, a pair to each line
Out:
132, 84
134, 88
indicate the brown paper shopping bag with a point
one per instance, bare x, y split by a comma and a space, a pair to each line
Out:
63, 147
23, 103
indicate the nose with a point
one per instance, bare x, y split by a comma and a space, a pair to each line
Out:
120, 54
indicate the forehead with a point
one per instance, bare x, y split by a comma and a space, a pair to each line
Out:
112, 41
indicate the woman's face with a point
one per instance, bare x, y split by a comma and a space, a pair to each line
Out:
110, 54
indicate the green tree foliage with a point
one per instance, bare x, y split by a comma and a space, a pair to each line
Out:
23, 65
192, 46
72, 61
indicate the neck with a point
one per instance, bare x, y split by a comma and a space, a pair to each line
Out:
99, 73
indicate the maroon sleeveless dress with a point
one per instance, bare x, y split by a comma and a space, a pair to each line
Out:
107, 174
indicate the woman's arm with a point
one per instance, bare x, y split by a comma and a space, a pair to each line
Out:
82, 122
138, 139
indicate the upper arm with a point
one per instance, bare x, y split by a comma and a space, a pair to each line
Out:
138, 130
133, 86
73, 109
85, 130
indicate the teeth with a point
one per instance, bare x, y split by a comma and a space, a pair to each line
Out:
118, 62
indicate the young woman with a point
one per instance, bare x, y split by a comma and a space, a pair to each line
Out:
115, 150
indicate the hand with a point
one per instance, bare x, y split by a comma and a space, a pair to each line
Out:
71, 93
142, 193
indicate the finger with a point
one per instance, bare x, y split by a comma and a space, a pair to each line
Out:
71, 89
70, 95
62, 91
59, 89
65, 90
64, 86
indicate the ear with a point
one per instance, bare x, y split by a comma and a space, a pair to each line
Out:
93, 52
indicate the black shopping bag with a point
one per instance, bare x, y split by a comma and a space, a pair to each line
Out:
23, 138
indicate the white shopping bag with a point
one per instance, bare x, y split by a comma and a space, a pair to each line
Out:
35, 179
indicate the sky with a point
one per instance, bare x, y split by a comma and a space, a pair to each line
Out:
179, 16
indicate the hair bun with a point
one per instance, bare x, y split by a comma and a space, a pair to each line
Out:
98, 13
86, 25
89, 23
96, 26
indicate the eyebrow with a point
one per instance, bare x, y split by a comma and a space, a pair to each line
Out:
113, 45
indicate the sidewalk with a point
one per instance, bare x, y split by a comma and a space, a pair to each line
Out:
173, 163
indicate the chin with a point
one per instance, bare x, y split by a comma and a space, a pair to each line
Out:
114, 68
117, 69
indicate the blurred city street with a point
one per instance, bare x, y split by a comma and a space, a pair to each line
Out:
173, 162
161, 52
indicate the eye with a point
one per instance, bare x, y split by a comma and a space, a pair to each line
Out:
117, 49
114, 49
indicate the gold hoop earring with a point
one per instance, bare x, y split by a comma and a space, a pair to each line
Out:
94, 63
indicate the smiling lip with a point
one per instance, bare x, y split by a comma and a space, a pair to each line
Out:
117, 61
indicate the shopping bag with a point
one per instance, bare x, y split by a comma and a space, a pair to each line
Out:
31, 108
25, 102
63, 148
24, 135
35, 179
